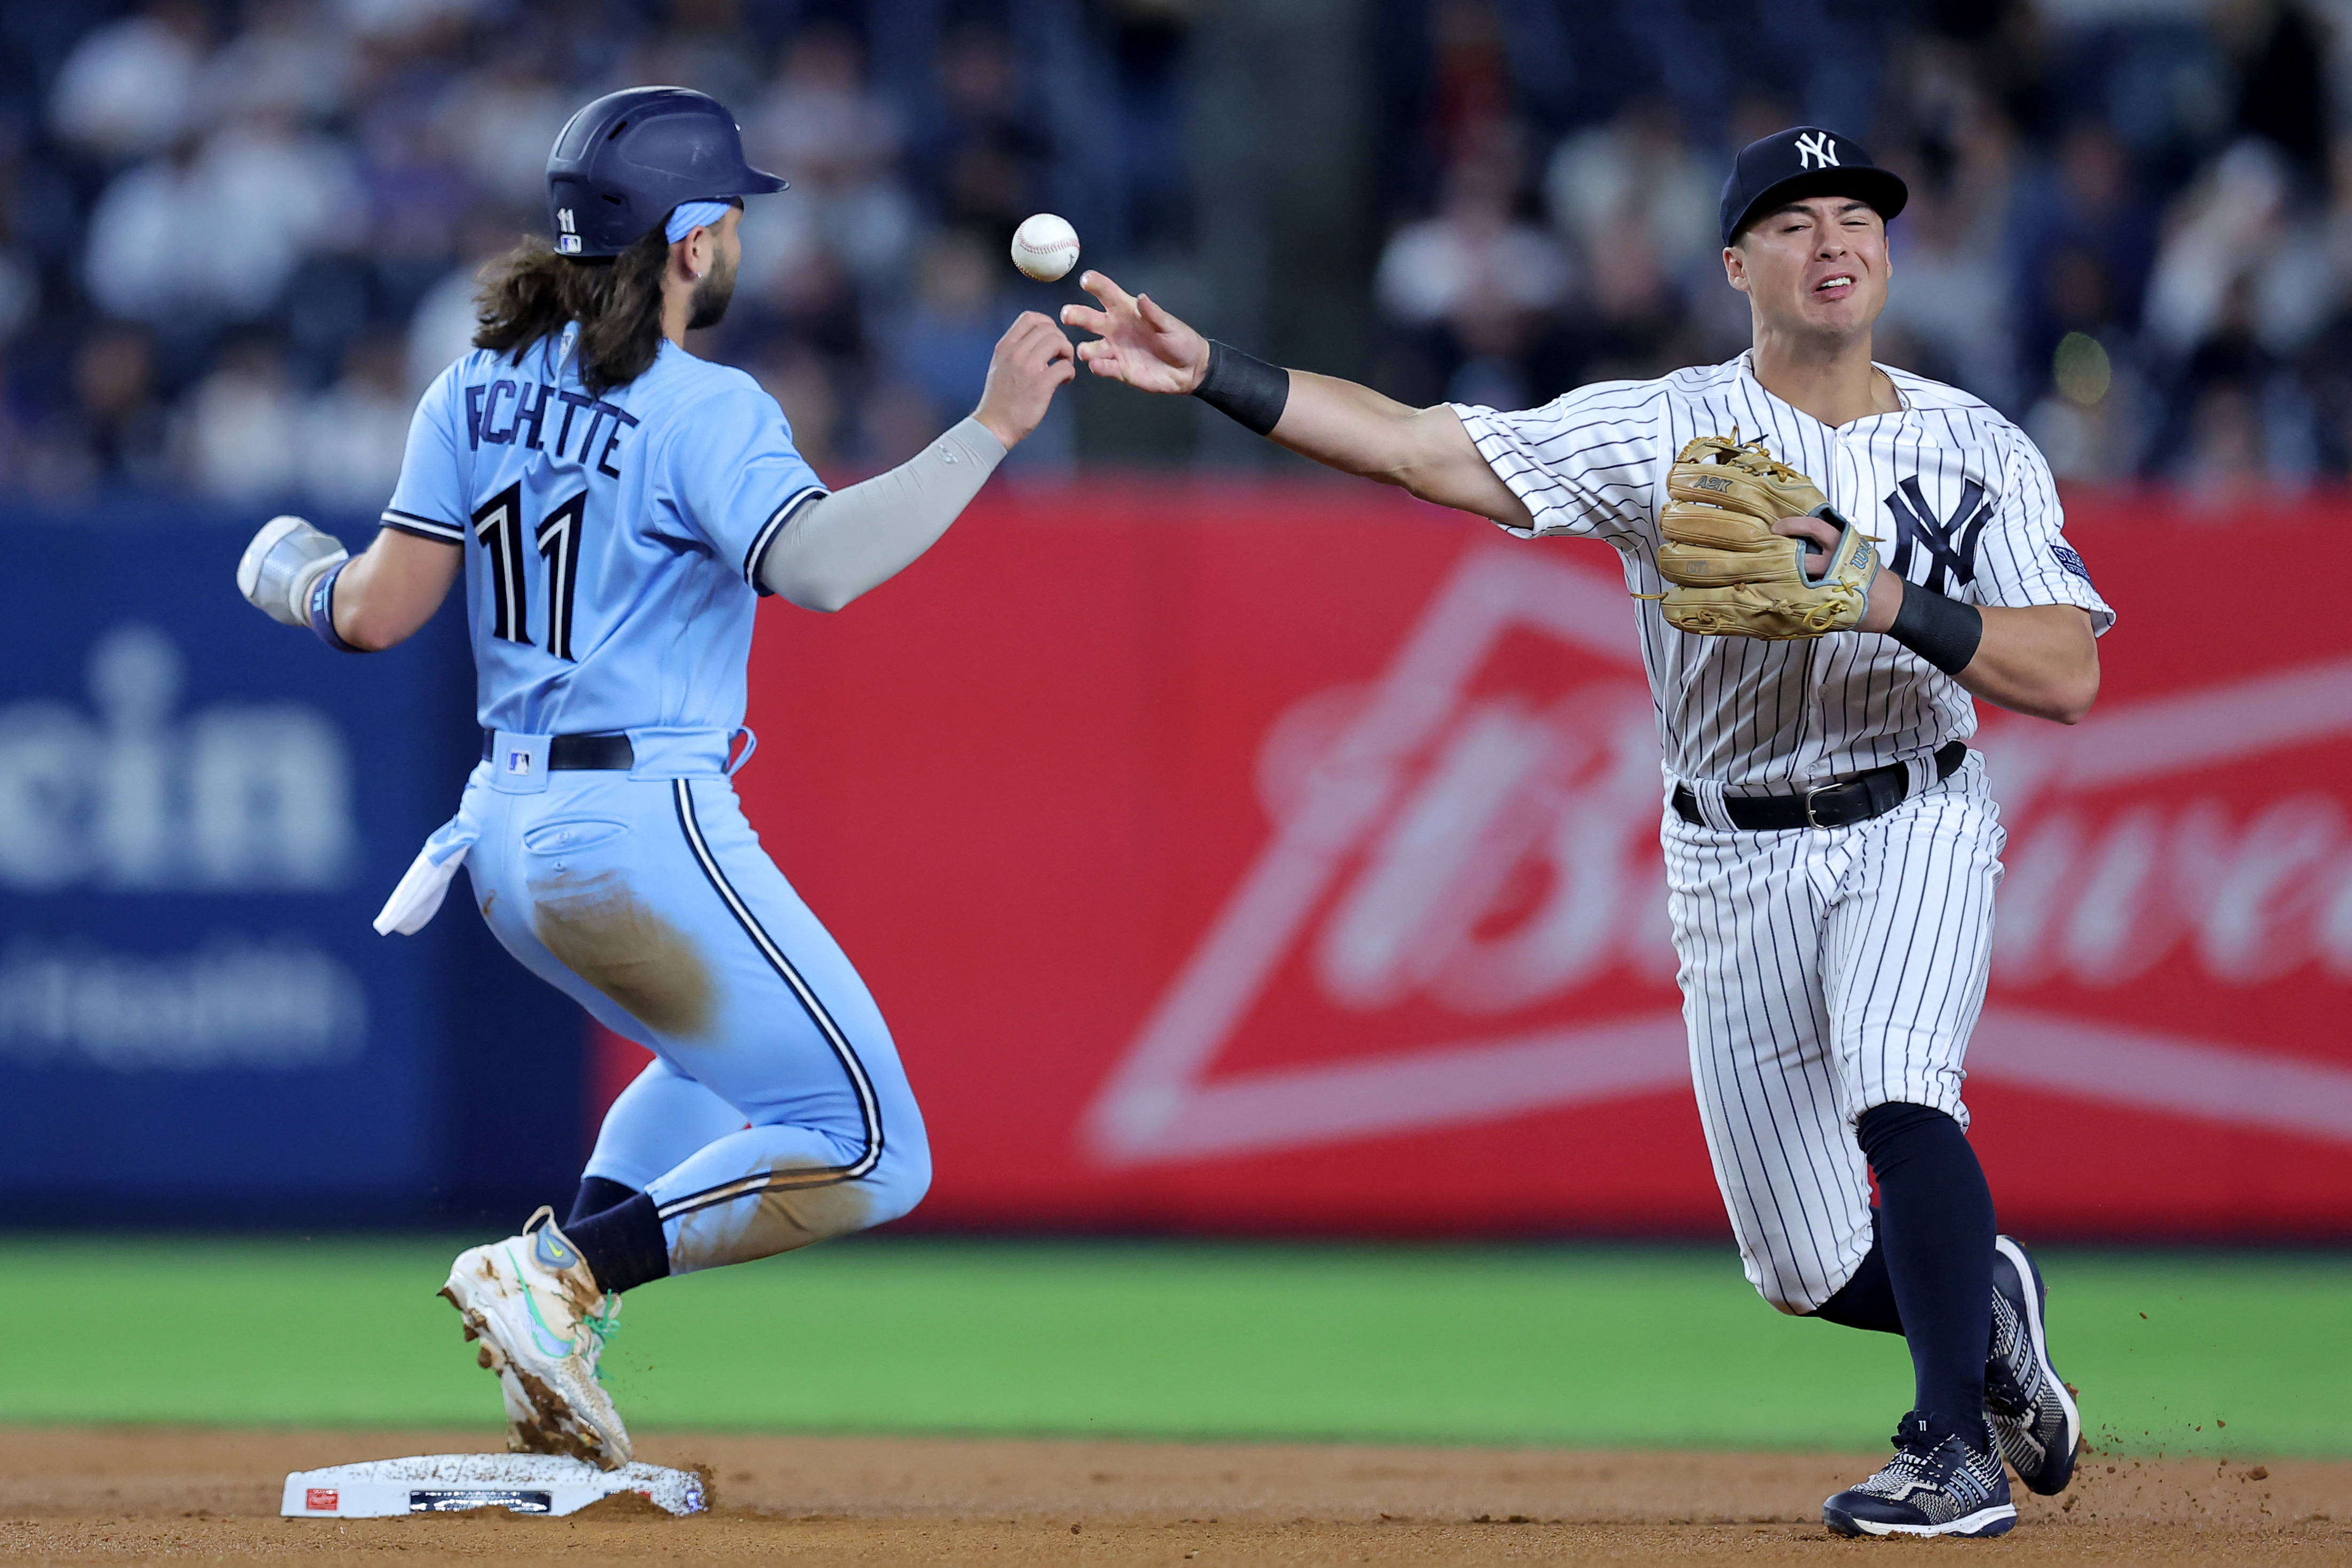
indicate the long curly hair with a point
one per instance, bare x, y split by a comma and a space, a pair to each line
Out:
531, 292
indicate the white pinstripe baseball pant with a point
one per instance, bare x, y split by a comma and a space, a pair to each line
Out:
1824, 971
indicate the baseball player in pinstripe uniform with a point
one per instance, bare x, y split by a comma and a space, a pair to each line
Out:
1832, 849
616, 507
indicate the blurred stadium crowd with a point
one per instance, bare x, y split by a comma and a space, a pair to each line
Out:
236, 237
2130, 224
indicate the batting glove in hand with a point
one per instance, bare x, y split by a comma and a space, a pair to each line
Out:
281, 566
1730, 574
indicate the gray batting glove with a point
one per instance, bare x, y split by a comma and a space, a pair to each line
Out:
281, 566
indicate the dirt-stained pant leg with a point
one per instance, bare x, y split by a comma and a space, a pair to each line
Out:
651, 903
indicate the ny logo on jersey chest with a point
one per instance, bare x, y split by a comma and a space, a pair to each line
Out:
1947, 544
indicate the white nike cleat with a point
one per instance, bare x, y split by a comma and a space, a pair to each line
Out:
542, 1320
525, 1432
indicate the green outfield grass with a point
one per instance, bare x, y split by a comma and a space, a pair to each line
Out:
1582, 1346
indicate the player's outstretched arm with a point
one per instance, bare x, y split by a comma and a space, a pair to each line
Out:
371, 602
1337, 423
859, 538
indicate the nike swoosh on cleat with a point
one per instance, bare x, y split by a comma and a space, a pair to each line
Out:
549, 1342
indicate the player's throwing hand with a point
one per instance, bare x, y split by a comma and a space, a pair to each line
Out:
1135, 340
1031, 359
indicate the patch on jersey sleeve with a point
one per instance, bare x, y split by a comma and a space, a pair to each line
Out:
2070, 563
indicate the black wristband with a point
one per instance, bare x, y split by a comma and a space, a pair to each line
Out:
1250, 390
1942, 631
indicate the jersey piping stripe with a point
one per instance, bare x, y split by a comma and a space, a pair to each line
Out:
868, 1105
425, 527
773, 529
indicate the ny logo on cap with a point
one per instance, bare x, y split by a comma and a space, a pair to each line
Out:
1816, 151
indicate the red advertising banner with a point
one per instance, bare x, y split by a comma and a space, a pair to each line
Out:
1285, 858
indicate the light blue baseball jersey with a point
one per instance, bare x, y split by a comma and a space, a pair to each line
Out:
612, 544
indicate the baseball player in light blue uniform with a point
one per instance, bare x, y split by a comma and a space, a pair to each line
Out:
617, 507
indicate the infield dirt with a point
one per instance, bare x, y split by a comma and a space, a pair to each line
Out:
98, 1494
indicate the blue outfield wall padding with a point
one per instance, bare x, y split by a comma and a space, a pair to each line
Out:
201, 811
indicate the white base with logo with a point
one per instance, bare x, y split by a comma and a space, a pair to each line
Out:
445, 1483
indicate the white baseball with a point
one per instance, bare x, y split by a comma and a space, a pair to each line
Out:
1045, 246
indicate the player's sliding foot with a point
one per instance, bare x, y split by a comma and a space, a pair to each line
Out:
542, 1320
1936, 1484
2032, 1414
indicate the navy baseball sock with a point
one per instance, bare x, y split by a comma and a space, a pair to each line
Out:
1936, 1230
625, 1248
596, 1194
1866, 1300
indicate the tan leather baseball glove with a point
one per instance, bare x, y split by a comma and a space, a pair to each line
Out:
1729, 574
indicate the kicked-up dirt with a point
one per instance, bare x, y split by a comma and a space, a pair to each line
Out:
115, 1494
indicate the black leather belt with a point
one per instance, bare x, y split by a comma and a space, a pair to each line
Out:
581, 752
1841, 804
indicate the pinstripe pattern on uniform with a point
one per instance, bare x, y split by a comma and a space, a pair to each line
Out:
1824, 972
1771, 718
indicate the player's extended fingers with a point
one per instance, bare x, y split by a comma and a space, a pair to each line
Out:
1157, 320
1086, 319
1115, 299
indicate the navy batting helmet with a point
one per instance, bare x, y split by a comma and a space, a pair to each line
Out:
624, 161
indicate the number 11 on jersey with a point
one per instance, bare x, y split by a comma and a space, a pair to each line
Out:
498, 525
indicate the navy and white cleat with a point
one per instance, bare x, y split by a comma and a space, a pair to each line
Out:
2034, 1422
1935, 1485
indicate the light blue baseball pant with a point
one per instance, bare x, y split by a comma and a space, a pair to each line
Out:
645, 897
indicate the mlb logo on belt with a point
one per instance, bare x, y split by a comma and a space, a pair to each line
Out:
517, 762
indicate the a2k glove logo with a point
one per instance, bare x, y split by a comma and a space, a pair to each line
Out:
128, 795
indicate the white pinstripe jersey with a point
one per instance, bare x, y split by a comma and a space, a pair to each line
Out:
1953, 493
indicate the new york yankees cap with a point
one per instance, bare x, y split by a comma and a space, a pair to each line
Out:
1804, 161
